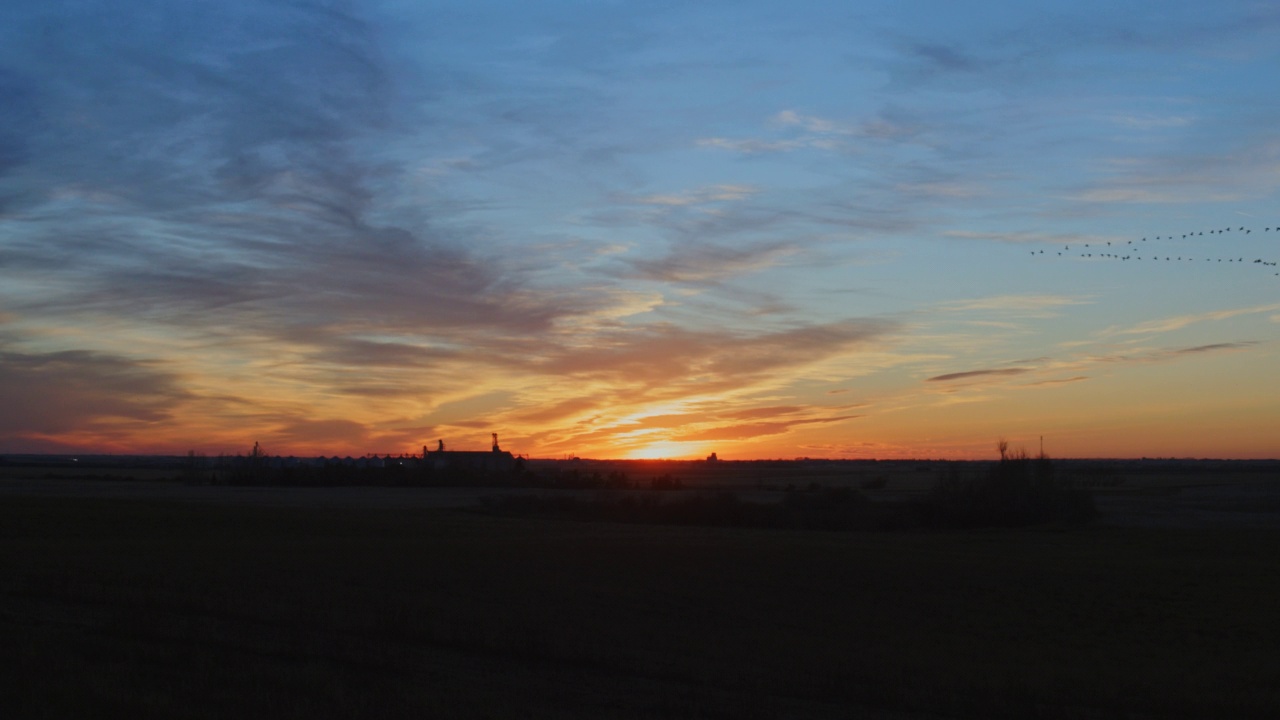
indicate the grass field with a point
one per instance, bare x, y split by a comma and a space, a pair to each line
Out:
166, 609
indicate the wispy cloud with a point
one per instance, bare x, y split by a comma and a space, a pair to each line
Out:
1058, 381
947, 58
943, 189
972, 374
1056, 366
800, 131
1149, 355
1162, 355
1151, 122
1034, 238
703, 263
701, 196
93, 396
1179, 322
1214, 347
1014, 303
755, 430
675, 359
1239, 173
751, 146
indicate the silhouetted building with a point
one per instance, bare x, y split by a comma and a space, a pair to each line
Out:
494, 462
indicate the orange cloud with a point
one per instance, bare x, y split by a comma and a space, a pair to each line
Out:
977, 373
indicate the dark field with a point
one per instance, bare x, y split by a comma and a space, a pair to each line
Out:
180, 607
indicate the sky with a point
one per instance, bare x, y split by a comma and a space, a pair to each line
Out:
628, 230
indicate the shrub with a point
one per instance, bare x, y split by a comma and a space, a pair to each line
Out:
1016, 491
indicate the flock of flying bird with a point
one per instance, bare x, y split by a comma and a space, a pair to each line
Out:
1137, 250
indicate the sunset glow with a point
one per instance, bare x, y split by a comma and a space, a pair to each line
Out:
845, 230
663, 450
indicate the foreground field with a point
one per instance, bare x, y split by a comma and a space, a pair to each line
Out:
168, 609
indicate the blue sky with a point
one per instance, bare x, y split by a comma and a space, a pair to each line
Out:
640, 229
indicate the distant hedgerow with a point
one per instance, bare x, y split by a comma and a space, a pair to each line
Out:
1016, 491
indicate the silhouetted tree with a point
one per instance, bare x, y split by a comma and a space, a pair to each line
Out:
1016, 491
